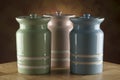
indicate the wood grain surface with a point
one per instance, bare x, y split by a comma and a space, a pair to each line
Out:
8, 71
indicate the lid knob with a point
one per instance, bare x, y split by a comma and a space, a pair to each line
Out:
86, 16
58, 13
33, 15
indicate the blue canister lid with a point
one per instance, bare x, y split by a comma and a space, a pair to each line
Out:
86, 18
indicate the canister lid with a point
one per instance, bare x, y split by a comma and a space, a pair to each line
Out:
31, 16
88, 18
32, 19
59, 14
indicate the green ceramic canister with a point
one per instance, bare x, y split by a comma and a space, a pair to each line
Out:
33, 45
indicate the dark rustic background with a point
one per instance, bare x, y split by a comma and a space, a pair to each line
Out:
110, 9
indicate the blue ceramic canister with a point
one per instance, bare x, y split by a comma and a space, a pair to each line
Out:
33, 40
86, 45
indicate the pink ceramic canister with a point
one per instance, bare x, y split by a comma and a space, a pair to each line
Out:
60, 26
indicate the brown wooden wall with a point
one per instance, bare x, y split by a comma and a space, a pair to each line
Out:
110, 9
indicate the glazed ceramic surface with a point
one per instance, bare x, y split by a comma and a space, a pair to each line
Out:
33, 45
86, 45
60, 26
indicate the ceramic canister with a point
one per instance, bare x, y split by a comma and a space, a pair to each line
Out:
60, 26
86, 45
33, 45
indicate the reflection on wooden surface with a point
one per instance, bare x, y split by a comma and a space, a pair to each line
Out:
8, 71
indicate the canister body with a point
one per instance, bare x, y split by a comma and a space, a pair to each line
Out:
60, 51
33, 48
86, 47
